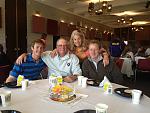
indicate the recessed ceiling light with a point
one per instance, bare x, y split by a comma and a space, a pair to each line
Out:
67, 2
85, 26
71, 23
62, 21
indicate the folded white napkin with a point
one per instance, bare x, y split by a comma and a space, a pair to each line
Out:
104, 81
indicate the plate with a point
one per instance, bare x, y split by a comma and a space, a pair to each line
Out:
10, 111
12, 85
86, 111
63, 100
92, 82
125, 92
1, 85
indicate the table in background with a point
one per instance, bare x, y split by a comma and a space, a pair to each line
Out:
137, 58
127, 67
35, 100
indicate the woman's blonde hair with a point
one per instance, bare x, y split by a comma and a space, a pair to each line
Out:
81, 35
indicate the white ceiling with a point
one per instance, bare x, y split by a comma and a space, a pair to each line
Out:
80, 8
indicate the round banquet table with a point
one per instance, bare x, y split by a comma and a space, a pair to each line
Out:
35, 100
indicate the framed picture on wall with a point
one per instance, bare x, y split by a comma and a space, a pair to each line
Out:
0, 17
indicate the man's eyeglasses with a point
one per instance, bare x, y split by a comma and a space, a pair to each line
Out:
61, 45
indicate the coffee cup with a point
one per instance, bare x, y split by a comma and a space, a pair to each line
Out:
101, 108
84, 82
136, 94
5, 98
80, 80
25, 84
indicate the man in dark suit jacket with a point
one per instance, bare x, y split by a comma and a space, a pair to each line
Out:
93, 66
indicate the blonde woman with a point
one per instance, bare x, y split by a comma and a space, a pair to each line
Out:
78, 44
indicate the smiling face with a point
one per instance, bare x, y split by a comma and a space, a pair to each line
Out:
62, 47
94, 51
37, 50
77, 40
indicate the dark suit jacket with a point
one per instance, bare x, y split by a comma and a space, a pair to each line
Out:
111, 71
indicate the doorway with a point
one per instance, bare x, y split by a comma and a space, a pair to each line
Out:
16, 28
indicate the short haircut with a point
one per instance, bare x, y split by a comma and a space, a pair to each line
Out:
95, 42
62, 38
39, 41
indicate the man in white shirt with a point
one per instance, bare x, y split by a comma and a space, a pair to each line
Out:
64, 63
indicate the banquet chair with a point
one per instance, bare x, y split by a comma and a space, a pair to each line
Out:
4, 73
119, 63
143, 66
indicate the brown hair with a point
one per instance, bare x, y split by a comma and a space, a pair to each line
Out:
39, 41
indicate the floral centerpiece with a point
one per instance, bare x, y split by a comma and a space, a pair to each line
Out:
61, 93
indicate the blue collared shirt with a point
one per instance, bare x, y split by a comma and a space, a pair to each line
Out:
29, 69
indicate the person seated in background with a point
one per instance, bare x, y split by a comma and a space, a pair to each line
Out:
116, 48
32, 67
140, 52
63, 64
128, 53
3, 57
147, 52
44, 38
93, 67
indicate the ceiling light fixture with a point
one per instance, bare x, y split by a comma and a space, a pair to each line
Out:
137, 28
37, 13
125, 21
101, 7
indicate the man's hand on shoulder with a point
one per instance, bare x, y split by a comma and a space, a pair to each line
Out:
105, 59
22, 58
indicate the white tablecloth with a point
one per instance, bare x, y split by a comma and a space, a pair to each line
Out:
35, 100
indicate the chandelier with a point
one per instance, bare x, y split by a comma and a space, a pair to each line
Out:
102, 7
125, 21
137, 28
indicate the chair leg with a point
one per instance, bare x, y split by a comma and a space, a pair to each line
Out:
135, 75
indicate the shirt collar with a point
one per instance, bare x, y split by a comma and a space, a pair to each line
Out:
31, 59
67, 56
99, 59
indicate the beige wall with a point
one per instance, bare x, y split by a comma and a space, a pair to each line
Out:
48, 12
2, 30
31, 7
